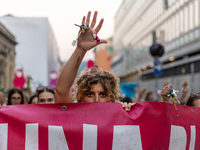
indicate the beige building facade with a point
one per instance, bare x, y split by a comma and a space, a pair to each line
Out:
173, 23
103, 55
7, 57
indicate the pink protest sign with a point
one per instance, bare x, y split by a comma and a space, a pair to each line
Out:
102, 126
19, 79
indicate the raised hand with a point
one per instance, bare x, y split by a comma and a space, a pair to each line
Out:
185, 88
86, 40
165, 83
128, 106
165, 93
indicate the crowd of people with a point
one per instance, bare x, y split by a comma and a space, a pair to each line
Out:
94, 85
16, 96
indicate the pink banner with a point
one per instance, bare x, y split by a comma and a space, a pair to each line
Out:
99, 126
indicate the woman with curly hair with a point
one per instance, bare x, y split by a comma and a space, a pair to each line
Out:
94, 85
96, 78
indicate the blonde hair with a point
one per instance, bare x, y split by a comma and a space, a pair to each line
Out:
95, 75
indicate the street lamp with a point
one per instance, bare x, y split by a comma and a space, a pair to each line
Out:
157, 50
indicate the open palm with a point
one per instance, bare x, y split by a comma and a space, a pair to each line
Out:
86, 40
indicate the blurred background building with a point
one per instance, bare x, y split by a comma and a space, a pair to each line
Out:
173, 23
7, 57
104, 55
37, 50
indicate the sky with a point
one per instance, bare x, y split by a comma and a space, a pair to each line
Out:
62, 15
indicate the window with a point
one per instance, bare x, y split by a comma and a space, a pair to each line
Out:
154, 38
196, 4
173, 27
165, 4
191, 16
170, 29
177, 24
186, 19
181, 22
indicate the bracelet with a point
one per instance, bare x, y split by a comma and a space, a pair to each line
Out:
28, 86
183, 95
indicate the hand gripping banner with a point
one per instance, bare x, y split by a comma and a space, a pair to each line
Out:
99, 126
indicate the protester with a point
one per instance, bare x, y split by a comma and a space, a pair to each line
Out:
126, 100
27, 90
139, 94
46, 94
28, 81
33, 99
92, 86
26, 96
149, 97
3, 98
165, 92
193, 100
185, 88
15, 97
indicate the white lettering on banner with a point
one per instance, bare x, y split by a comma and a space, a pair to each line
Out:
89, 137
124, 137
178, 138
192, 137
127, 137
31, 142
3, 136
57, 140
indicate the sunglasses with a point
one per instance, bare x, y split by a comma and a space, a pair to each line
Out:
49, 87
193, 94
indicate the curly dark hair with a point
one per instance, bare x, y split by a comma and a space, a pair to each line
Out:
95, 75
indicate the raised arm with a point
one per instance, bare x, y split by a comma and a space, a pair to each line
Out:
165, 93
85, 42
185, 88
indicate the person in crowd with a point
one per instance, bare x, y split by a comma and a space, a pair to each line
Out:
26, 96
185, 88
3, 98
193, 100
126, 100
46, 94
139, 94
28, 81
15, 97
95, 85
27, 90
165, 92
149, 97
33, 99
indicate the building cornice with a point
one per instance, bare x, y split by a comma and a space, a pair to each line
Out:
7, 34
